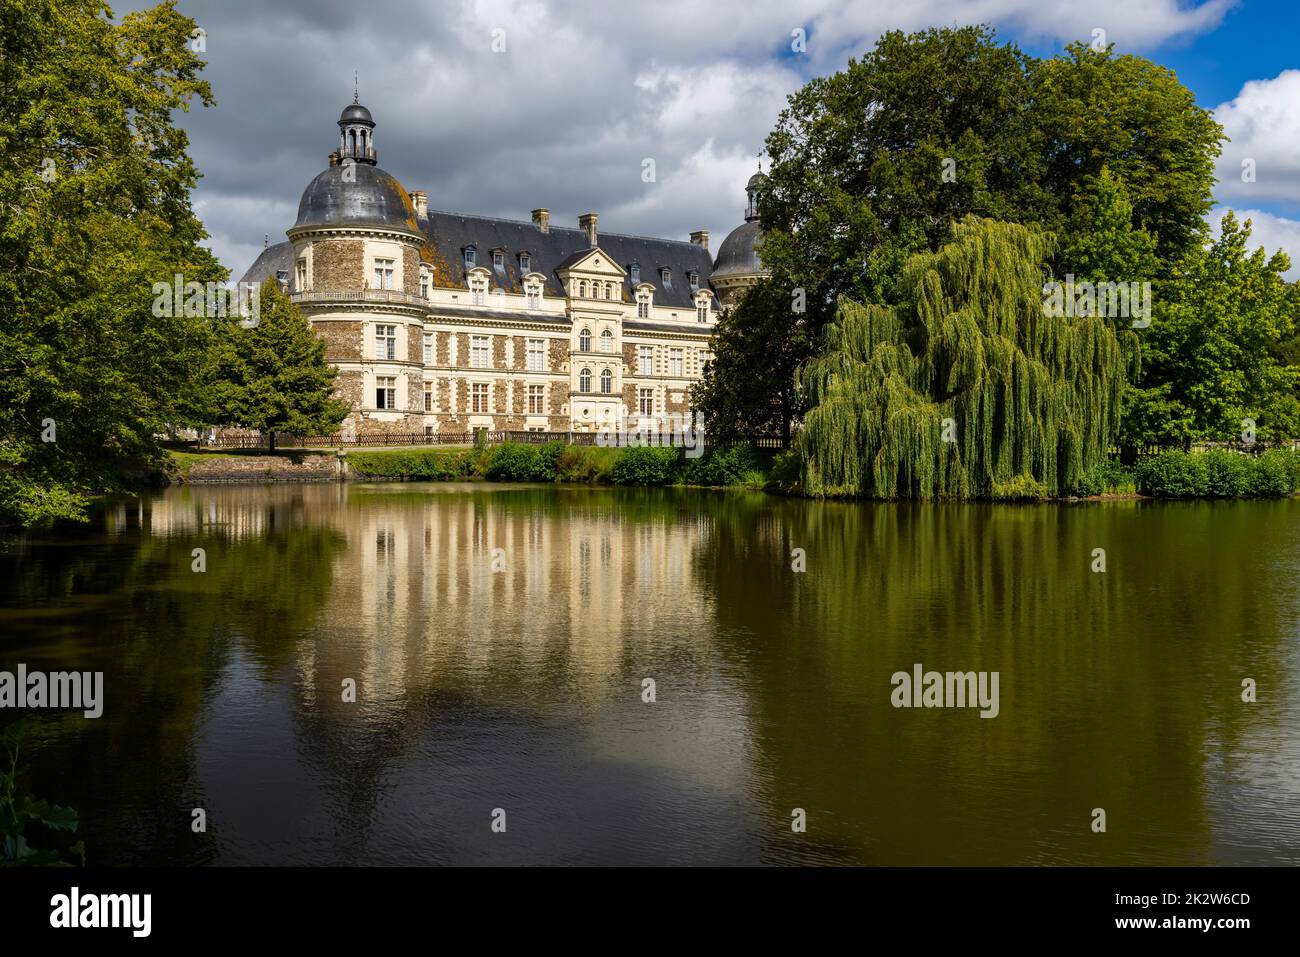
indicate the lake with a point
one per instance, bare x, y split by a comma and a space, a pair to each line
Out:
500, 638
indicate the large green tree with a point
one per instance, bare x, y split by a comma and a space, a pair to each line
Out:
1220, 348
273, 376
94, 209
967, 387
878, 162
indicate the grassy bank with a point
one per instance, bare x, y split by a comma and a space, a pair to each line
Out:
557, 462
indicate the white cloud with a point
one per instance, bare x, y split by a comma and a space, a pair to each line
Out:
1263, 123
584, 92
1271, 232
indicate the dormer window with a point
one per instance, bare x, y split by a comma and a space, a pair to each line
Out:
478, 289
695, 280
525, 263
533, 290
643, 299
634, 272
702, 299
471, 257
498, 260
666, 275
282, 277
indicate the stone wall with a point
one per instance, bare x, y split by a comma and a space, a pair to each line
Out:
337, 264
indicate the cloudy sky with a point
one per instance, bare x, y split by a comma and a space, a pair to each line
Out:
585, 90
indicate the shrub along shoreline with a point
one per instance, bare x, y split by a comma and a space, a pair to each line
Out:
1173, 474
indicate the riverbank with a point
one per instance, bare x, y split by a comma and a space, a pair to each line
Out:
1214, 474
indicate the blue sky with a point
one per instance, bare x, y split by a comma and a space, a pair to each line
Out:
585, 90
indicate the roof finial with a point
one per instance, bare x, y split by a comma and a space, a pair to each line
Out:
266, 240
356, 88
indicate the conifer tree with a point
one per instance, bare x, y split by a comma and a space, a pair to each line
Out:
274, 377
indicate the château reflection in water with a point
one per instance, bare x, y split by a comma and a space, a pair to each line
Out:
499, 638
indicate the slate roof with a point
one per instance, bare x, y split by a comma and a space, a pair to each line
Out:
272, 259
450, 233
356, 194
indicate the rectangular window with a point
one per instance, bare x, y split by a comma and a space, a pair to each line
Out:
534, 297
536, 355
645, 401
643, 309
480, 348
479, 296
498, 261
536, 402
385, 342
428, 397
479, 397
525, 263
424, 286
702, 312
674, 361
385, 392
301, 278
428, 349
383, 274
645, 360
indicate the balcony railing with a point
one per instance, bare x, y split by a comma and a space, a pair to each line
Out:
360, 295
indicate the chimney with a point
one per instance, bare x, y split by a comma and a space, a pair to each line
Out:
700, 238
334, 158
587, 223
542, 219
421, 200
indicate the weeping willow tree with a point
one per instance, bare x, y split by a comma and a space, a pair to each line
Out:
967, 389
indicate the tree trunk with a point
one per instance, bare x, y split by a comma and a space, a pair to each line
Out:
270, 440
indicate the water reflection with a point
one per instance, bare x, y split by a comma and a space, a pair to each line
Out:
499, 636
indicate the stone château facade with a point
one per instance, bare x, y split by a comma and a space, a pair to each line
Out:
443, 323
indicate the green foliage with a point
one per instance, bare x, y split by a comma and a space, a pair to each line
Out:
426, 464
732, 465
645, 466
273, 375
585, 463
1215, 353
748, 386
1026, 394
1219, 473
19, 811
1018, 488
1228, 474
94, 209
1109, 152
516, 462
1275, 473
1174, 474
1108, 477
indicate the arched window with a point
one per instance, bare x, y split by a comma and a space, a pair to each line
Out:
582, 289
607, 382
584, 380
584, 340
609, 290
352, 142
606, 341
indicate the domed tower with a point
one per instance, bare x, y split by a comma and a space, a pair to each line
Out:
737, 267
357, 244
